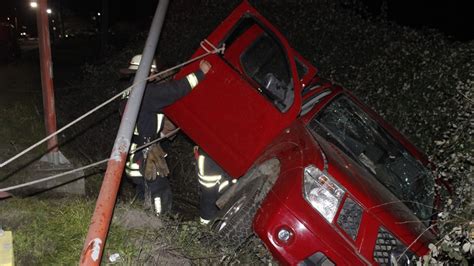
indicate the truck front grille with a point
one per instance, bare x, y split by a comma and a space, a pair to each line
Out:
383, 246
388, 249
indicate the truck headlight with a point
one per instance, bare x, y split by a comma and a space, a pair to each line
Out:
322, 192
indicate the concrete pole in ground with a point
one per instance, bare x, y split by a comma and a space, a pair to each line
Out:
99, 227
46, 66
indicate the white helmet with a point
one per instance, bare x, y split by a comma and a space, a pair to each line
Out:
135, 62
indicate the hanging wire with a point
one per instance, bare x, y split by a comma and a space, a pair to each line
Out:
125, 91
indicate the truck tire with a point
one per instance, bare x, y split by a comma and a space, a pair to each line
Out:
233, 224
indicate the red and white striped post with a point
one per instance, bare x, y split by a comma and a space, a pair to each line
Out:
99, 227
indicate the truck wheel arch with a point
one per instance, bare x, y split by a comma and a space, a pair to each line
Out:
234, 222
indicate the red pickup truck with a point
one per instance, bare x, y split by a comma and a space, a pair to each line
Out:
322, 179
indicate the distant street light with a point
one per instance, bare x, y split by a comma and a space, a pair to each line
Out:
34, 4
98, 14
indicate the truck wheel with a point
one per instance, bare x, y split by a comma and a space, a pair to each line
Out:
234, 222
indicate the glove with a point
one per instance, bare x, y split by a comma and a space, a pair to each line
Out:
168, 126
155, 164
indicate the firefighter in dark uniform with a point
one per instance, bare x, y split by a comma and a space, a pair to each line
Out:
148, 168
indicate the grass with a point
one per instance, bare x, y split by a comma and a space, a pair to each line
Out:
49, 231
52, 231
198, 246
22, 124
21, 127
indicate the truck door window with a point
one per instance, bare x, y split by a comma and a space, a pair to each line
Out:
258, 55
266, 63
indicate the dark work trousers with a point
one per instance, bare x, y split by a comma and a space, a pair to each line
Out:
212, 182
160, 187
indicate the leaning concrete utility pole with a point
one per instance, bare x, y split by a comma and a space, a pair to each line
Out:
99, 227
46, 66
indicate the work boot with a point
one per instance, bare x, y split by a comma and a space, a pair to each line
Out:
158, 196
207, 204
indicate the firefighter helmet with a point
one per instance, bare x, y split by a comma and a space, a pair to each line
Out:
135, 62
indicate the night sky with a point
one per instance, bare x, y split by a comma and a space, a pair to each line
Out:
451, 17
119, 10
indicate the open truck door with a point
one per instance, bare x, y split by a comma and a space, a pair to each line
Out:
249, 96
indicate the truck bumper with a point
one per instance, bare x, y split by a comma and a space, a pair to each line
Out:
274, 218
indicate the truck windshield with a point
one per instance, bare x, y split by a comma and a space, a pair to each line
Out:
353, 131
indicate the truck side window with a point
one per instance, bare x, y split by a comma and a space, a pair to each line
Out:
265, 62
